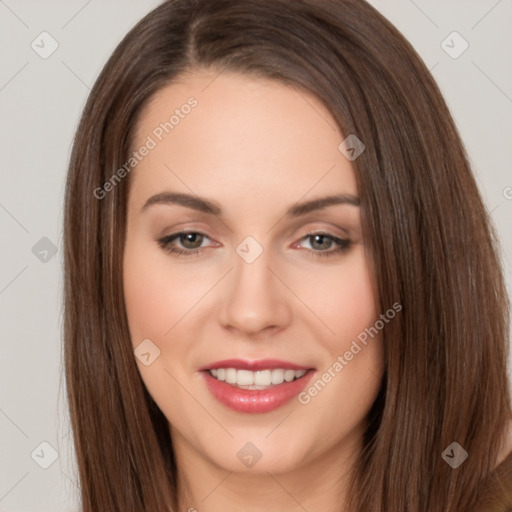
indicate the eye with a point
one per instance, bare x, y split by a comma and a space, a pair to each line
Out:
191, 243
321, 244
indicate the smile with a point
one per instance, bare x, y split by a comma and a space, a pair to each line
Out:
255, 387
262, 379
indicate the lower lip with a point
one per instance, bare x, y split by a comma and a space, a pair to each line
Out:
257, 400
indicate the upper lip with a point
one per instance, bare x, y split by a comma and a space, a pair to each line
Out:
254, 365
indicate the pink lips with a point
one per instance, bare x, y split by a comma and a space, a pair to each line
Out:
255, 401
262, 364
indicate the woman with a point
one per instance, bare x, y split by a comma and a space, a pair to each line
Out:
279, 273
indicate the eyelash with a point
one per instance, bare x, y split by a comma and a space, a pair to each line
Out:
165, 243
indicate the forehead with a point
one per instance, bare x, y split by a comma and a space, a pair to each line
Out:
228, 135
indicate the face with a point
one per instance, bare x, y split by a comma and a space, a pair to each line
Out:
248, 299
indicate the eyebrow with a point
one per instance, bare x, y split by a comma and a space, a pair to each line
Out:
206, 206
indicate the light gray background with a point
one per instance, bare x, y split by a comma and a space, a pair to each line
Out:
40, 103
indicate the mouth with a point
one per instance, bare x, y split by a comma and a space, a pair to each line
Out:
261, 379
255, 386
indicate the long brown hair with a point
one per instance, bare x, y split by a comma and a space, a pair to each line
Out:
430, 241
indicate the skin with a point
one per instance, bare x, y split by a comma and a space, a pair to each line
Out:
255, 147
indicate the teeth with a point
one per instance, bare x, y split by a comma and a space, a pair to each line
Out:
244, 378
263, 378
277, 376
231, 376
289, 375
256, 380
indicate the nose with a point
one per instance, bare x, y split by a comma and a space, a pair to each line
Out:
255, 300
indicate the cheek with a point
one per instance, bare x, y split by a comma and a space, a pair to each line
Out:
147, 300
156, 299
342, 297
157, 295
345, 301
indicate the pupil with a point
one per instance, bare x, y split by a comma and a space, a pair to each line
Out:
321, 238
190, 239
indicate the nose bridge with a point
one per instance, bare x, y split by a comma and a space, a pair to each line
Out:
253, 300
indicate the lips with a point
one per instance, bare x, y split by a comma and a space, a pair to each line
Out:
262, 364
255, 398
